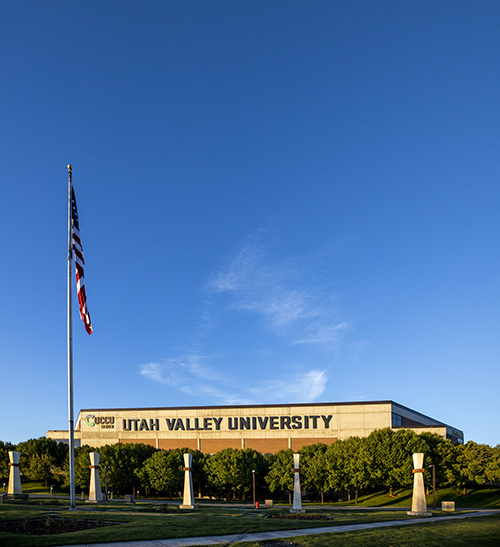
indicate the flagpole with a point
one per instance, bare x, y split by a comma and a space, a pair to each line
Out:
70, 357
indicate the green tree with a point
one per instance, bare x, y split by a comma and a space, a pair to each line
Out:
82, 468
492, 468
122, 460
313, 469
224, 471
5, 448
438, 452
280, 476
164, 470
40, 468
197, 467
251, 460
161, 472
357, 464
42, 459
473, 461
405, 443
335, 467
478, 456
380, 445
446, 463
391, 456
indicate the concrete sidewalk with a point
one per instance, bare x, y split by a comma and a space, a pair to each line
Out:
261, 536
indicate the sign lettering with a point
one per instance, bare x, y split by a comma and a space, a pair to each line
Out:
229, 423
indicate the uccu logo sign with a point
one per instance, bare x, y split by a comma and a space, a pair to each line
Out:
106, 422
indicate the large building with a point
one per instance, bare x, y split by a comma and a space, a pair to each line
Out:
265, 428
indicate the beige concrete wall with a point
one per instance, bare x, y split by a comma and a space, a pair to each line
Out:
264, 428
233, 425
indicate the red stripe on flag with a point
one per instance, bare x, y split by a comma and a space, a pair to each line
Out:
79, 263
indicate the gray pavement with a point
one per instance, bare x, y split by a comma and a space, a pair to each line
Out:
232, 539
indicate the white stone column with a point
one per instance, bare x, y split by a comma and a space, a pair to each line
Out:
14, 488
95, 492
297, 494
418, 502
188, 497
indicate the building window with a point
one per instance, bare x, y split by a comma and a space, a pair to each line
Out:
455, 439
397, 420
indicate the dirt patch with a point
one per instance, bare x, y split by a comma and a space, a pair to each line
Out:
280, 543
49, 525
300, 516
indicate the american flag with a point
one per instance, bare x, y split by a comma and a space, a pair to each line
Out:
79, 263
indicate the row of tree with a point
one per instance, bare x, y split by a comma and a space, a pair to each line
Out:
381, 460
41, 459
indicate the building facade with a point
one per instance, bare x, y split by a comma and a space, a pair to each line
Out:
265, 428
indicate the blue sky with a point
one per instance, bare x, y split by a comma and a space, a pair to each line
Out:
280, 202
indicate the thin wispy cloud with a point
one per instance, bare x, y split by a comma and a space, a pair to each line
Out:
323, 334
180, 372
280, 293
181, 375
303, 386
299, 386
284, 296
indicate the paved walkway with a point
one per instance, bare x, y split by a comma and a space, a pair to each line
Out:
261, 536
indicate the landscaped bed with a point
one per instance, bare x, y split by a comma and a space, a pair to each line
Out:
300, 516
51, 525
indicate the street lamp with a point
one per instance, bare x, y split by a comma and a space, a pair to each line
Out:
106, 483
433, 485
253, 482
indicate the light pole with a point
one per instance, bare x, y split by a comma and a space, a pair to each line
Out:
433, 486
253, 482
106, 483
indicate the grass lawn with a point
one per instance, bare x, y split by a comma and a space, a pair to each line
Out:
481, 498
139, 522
135, 523
150, 521
473, 532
